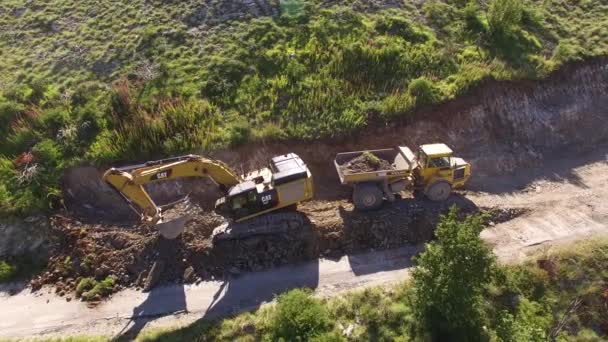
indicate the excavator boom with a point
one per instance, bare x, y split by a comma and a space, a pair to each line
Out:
130, 181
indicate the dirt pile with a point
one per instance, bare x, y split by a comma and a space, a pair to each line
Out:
366, 162
136, 256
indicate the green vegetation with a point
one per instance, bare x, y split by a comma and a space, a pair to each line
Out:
371, 158
298, 317
101, 81
450, 279
76, 339
7, 271
18, 268
559, 295
91, 289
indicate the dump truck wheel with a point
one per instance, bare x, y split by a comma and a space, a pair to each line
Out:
438, 191
367, 197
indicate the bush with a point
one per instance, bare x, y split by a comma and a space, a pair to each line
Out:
423, 91
7, 271
450, 278
298, 317
530, 323
504, 15
567, 51
439, 13
396, 104
85, 285
9, 111
473, 23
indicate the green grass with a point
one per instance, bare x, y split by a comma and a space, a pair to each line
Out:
101, 81
65, 339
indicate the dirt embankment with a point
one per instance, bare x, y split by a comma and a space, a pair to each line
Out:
333, 229
499, 128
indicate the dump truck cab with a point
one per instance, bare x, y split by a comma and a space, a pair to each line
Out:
439, 171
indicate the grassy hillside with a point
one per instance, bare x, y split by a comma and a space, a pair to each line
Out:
107, 80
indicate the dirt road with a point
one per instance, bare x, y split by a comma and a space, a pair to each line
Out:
566, 199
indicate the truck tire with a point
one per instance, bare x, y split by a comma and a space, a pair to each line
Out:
367, 196
438, 191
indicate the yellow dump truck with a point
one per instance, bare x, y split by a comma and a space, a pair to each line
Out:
377, 175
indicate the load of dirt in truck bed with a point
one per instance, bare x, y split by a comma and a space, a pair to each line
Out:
136, 256
366, 162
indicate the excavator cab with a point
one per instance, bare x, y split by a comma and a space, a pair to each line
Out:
246, 199
286, 181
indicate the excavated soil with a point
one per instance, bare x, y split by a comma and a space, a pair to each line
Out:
129, 253
365, 163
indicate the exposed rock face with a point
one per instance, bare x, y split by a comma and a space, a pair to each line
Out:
498, 126
27, 236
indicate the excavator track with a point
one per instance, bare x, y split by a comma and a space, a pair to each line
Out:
269, 224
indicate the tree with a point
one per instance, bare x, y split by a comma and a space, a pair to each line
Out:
450, 278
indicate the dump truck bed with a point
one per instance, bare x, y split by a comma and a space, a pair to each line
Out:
401, 158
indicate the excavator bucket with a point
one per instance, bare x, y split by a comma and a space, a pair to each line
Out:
172, 228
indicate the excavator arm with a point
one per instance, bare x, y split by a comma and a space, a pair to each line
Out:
130, 180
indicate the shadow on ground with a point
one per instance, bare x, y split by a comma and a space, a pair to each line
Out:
26, 268
249, 292
407, 222
160, 302
236, 294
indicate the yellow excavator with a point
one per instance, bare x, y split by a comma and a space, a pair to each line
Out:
250, 203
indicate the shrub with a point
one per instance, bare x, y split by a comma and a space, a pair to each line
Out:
504, 15
439, 13
292, 7
530, 323
396, 104
48, 153
85, 285
566, 51
423, 91
452, 273
9, 111
270, 131
90, 289
38, 87
7, 271
298, 317
473, 23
